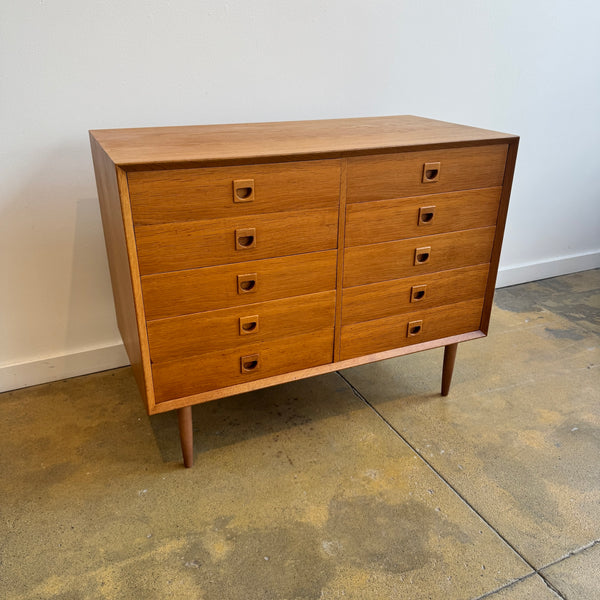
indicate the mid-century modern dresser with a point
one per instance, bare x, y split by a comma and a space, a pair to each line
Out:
243, 256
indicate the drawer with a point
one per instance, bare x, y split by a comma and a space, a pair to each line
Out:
168, 196
249, 362
404, 174
213, 288
388, 298
379, 335
386, 220
221, 329
408, 258
174, 246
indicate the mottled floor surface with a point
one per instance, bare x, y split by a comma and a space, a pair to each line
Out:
364, 484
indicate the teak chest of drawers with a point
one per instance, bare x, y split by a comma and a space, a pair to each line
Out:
243, 256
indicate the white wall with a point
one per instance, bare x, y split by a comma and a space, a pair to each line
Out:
66, 66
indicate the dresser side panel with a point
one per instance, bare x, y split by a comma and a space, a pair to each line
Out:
509, 171
124, 285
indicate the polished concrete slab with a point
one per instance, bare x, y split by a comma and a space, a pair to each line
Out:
304, 491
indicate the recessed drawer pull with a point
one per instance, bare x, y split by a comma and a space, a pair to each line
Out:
431, 172
414, 328
417, 292
250, 363
243, 190
245, 238
426, 214
422, 255
248, 325
246, 283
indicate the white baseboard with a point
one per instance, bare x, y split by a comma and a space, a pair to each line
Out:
53, 368
551, 268
92, 360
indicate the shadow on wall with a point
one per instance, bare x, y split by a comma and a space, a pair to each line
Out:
56, 301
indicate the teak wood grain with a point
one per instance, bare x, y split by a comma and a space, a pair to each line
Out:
212, 288
163, 147
220, 329
387, 298
394, 260
194, 194
387, 220
218, 369
176, 246
395, 175
379, 335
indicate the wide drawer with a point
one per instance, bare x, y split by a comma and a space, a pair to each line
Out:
174, 246
386, 220
378, 335
249, 362
213, 288
388, 298
221, 329
406, 174
167, 196
408, 258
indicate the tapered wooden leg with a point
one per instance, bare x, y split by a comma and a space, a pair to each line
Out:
449, 358
186, 434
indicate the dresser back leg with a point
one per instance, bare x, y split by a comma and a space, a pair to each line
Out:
186, 434
449, 358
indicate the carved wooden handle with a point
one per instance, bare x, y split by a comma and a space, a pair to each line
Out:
431, 172
414, 328
243, 190
245, 238
250, 363
247, 283
248, 325
426, 214
417, 292
422, 255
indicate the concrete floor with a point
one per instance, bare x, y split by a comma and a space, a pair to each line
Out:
364, 484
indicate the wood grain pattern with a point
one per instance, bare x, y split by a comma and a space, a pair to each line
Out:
387, 220
158, 147
340, 262
387, 298
219, 369
193, 194
213, 288
175, 246
218, 330
395, 260
124, 274
395, 175
379, 335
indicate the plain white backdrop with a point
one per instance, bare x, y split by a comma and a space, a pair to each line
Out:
66, 66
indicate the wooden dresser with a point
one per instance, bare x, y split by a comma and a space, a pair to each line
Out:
243, 256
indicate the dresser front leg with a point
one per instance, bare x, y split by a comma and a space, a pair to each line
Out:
186, 434
449, 358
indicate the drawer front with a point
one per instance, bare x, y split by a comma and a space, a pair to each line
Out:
408, 258
388, 298
405, 174
213, 288
387, 220
209, 193
379, 335
175, 246
231, 327
249, 362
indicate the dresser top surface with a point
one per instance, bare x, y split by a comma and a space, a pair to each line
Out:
242, 143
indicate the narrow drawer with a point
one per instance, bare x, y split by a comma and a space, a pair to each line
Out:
379, 335
212, 193
228, 328
175, 246
249, 362
213, 288
388, 298
386, 220
415, 256
427, 172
